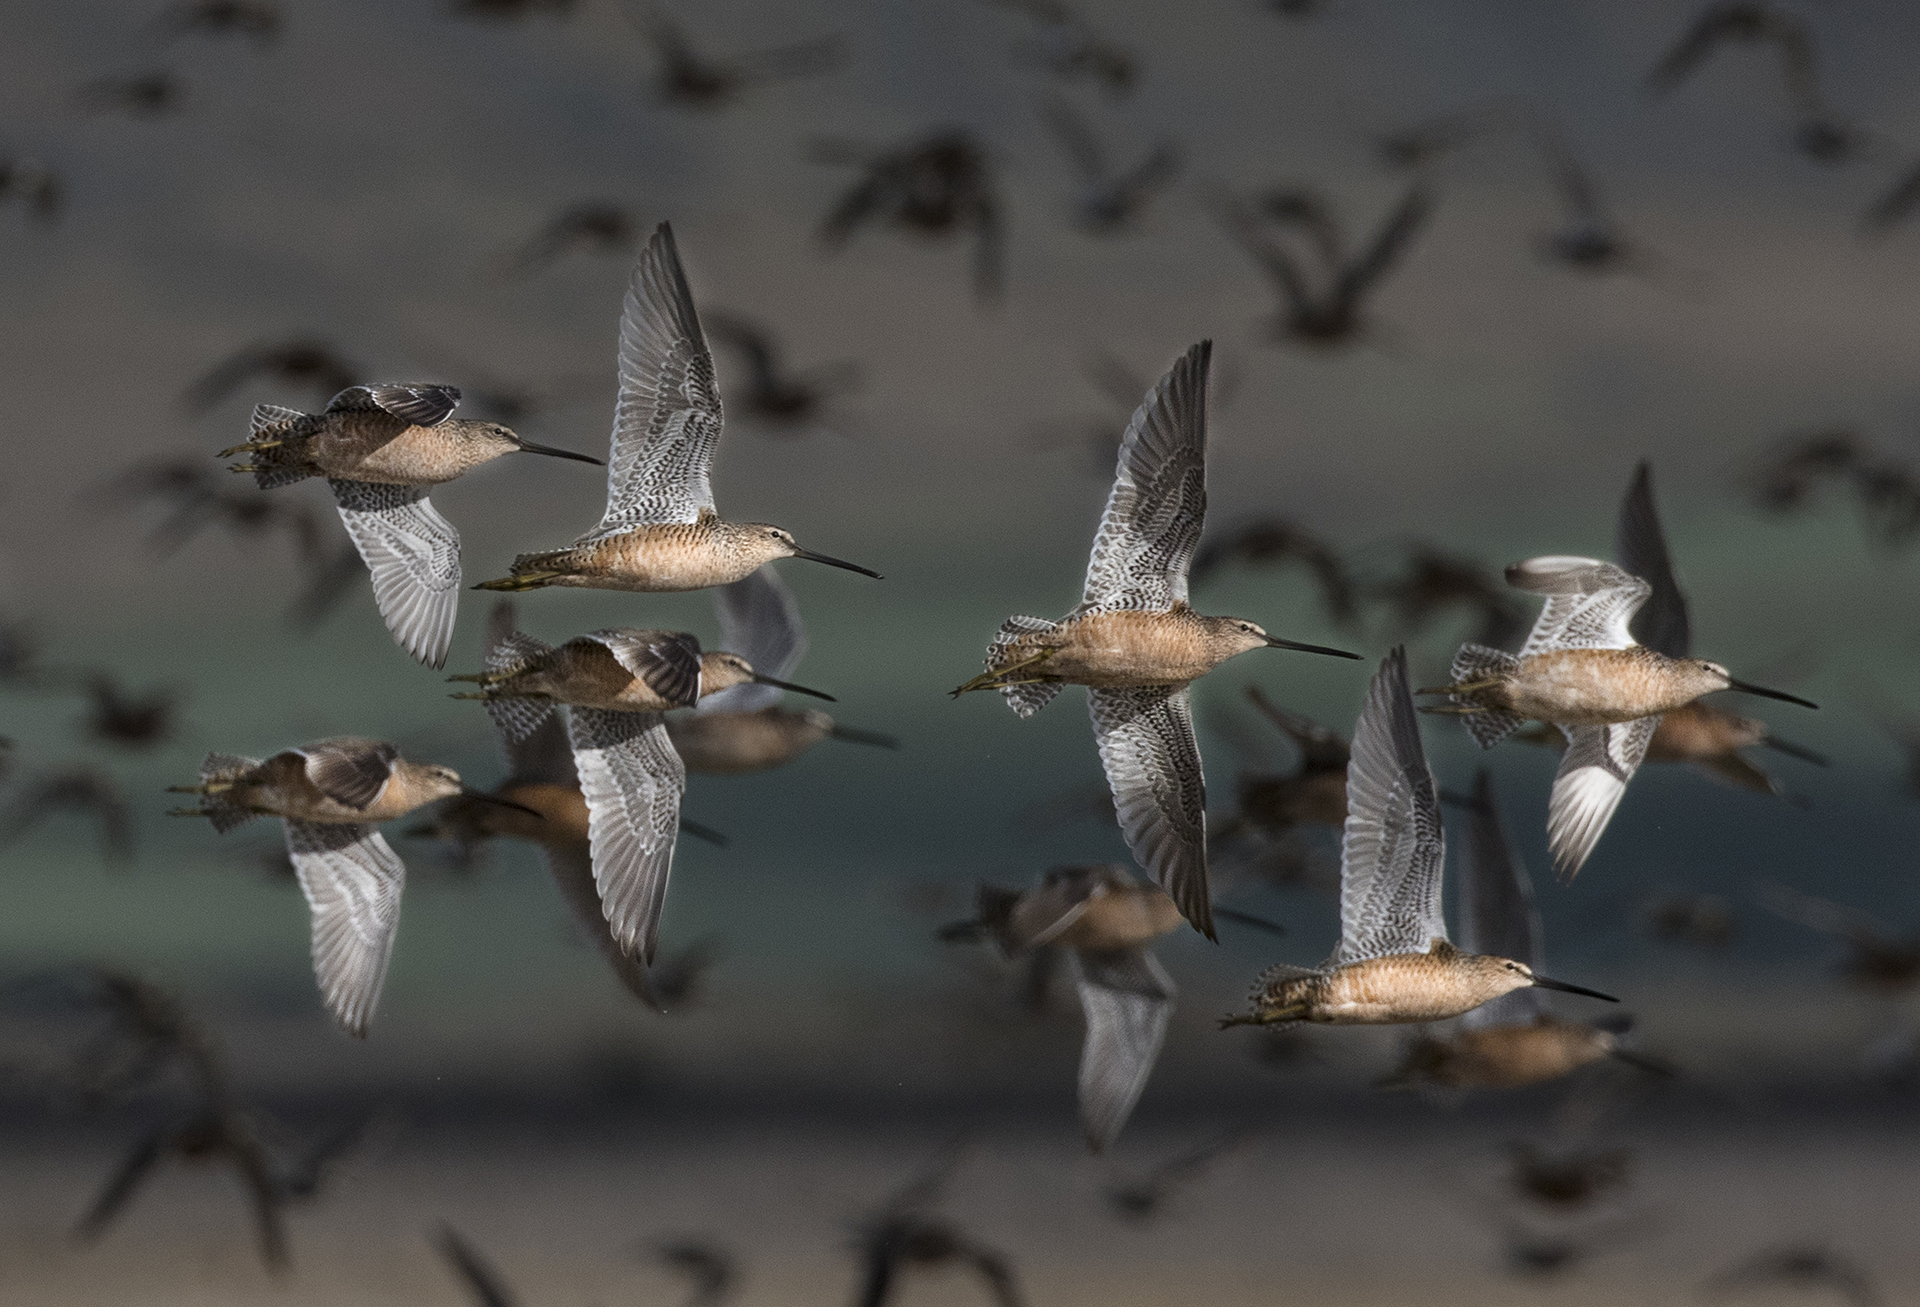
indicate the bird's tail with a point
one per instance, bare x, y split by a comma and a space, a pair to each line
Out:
217, 776
532, 571
1476, 663
275, 448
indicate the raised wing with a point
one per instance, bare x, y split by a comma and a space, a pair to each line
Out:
1641, 546
1497, 913
350, 770
667, 661
760, 621
1589, 603
1592, 779
352, 881
1127, 999
667, 422
1395, 237
1152, 761
1393, 850
1152, 525
423, 406
414, 555
632, 780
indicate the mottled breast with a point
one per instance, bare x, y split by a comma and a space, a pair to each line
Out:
1394, 990
1593, 687
657, 558
1126, 649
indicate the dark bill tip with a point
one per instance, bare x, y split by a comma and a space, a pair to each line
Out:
1275, 642
1762, 690
797, 689
528, 447
812, 557
499, 802
1565, 988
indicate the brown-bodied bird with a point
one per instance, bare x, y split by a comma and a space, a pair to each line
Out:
1880, 958
331, 796
902, 1235
1394, 963
1583, 670
934, 186
783, 401
304, 363
743, 728
1147, 1197
85, 790
596, 226
1817, 131
661, 531
257, 20
1105, 921
1109, 200
1277, 540
381, 449
1333, 313
617, 684
1515, 1040
684, 76
1072, 49
1808, 1267
1137, 644
136, 95
543, 780
35, 184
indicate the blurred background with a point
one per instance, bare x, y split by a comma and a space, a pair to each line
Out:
381, 180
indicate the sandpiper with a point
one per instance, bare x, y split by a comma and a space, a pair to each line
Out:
743, 728
1394, 963
1135, 642
1582, 670
1104, 920
660, 531
1513, 1040
331, 795
381, 449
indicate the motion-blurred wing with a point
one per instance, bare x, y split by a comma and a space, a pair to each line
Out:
1589, 603
1128, 1000
667, 422
1592, 780
1661, 623
1393, 849
572, 870
760, 621
1497, 912
352, 881
1152, 759
414, 555
632, 780
1154, 515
